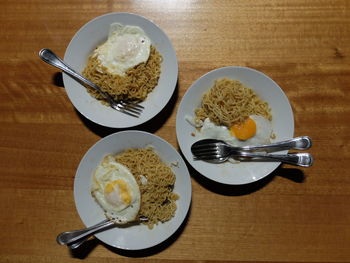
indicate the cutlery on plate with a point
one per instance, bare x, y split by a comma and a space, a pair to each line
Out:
75, 238
218, 151
298, 143
130, 108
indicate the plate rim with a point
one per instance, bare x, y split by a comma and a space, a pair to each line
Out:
184, 210
169, 88
180, 118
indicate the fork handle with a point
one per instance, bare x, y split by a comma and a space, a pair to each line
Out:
299, 159
298, 143
51, 58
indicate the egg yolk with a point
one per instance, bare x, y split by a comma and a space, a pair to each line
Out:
245, 130
117, 193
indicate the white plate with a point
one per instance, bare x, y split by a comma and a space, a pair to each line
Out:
138, 236
282, 123
95, 33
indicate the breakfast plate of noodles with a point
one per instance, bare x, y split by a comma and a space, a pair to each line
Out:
240, 106
127, 56
128, 175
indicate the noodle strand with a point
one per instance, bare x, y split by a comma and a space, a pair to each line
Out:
157, 198
137, 83
229, 102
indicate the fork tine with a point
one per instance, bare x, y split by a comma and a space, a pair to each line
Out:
205, 151
204, 146
122, 109
201, 150
134, 104
131, 109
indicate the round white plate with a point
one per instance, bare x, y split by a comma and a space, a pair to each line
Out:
282, 124
95, 33
137, 236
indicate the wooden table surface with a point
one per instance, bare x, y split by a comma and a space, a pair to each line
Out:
295, 214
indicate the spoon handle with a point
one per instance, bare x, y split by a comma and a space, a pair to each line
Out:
298, 143
72, 236
299, 159
51, 58
77, 243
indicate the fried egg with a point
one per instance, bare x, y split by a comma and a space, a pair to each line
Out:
126, 47
255, 130
116, 191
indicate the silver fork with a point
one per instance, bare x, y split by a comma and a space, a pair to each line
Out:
128, 107
217, 151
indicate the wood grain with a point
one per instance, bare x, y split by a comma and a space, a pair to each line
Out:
293, 215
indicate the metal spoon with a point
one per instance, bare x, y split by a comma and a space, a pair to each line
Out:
299, 159
77, 237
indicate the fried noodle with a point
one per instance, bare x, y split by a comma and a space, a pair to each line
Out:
137, 83
157, 196
229, 102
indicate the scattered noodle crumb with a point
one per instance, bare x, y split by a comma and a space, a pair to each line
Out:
157, 196
137, 83
229, 102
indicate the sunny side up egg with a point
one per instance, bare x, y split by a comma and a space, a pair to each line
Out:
255, 130
126, 47
116, 191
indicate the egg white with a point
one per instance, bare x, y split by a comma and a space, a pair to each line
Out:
106, 172
209, 130
126, 47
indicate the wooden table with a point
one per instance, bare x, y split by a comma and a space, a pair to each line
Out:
293, 215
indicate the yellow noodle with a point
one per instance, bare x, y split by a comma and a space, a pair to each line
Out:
229, 102
157, 196
137, 83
